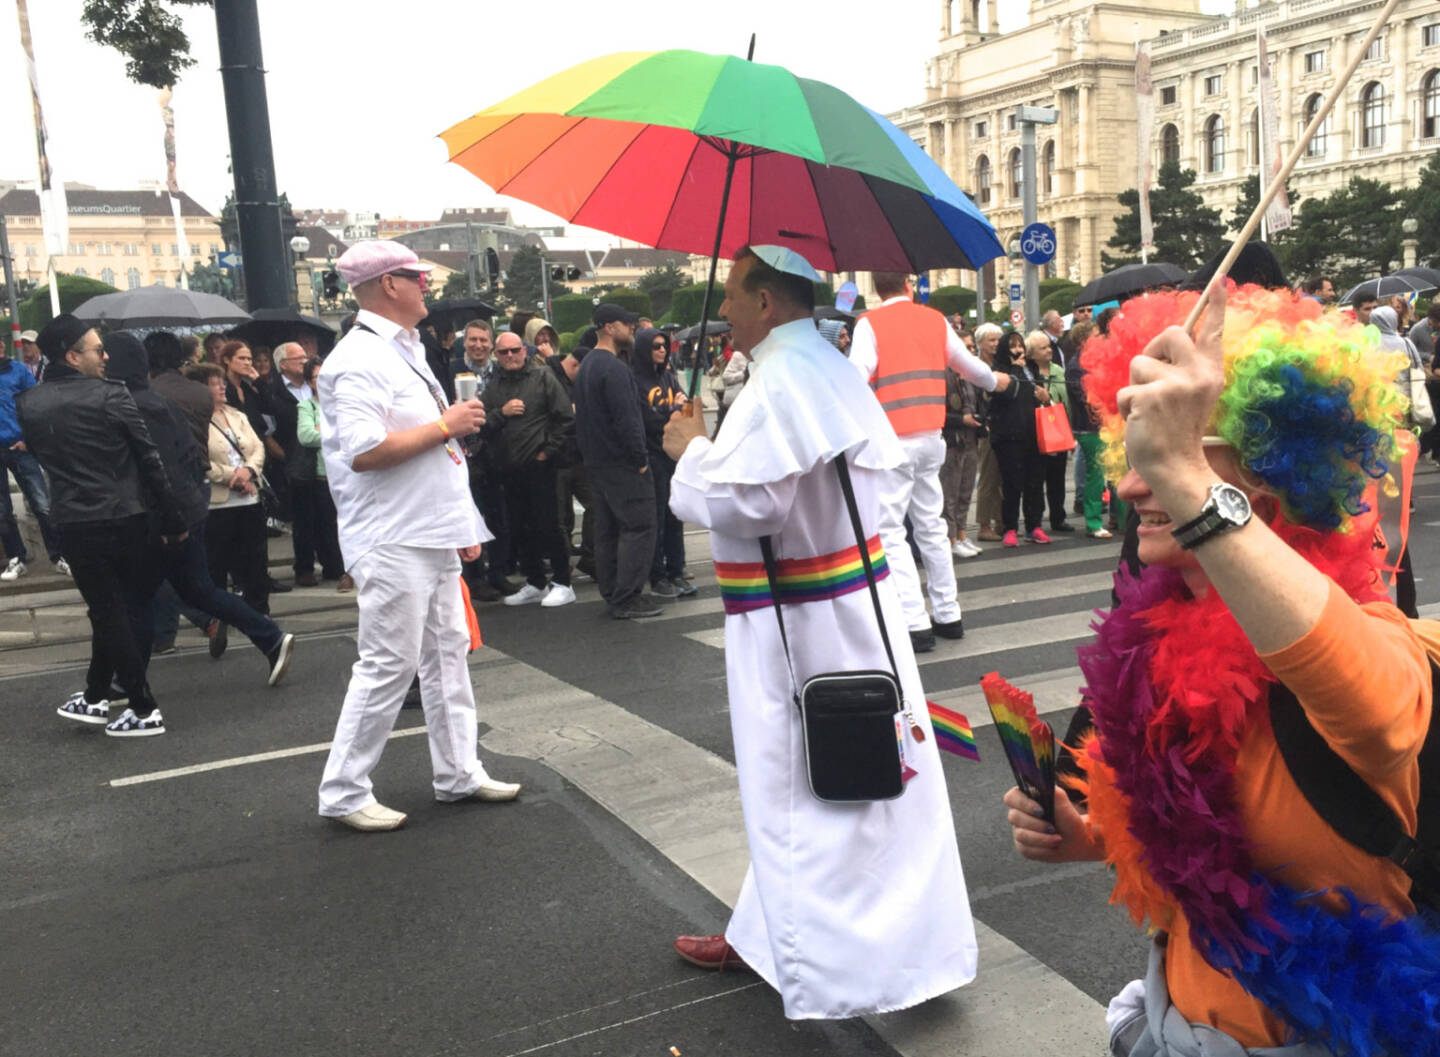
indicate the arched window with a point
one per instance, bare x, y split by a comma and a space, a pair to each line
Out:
132, 278
1372, 115
107, 276
1170, 144
1254, 152
1215, 144
1316, 147
1047, 160
1430, 105
982, 180
82, 273
1017, 177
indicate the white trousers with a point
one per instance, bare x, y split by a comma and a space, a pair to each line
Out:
411, 618
913, 490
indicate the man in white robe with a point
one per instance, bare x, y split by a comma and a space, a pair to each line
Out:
846, 909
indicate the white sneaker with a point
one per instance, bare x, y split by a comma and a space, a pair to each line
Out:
527, 595
558, 595
14, 569
971, 550
63, 567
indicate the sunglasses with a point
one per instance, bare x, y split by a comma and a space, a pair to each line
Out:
418, 277
660, 345
510, 352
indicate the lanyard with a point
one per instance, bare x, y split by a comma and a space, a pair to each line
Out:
432, 389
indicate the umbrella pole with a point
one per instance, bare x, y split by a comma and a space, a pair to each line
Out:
1285, 170
732, 156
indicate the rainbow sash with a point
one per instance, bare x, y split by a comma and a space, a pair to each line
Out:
744, 586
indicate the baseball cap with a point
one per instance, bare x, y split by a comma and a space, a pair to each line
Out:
28, 335
609, 312
376, 257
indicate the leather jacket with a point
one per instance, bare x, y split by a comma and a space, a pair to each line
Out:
92, 442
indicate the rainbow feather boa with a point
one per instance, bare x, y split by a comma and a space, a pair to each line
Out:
1171, 707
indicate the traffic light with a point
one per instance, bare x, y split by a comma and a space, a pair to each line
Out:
332, 285
492, 265
560, 271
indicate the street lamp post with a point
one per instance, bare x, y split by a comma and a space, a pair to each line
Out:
1409, 245
300, 246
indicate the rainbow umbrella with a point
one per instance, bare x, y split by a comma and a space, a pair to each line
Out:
705, 153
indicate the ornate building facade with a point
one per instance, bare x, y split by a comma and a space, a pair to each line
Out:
1079, 57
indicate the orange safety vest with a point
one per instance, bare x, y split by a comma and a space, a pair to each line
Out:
909, 378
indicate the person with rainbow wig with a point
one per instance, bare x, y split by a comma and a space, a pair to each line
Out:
1255, 455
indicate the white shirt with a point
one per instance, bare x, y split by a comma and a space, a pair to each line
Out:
866, 356
300, 392
373, 385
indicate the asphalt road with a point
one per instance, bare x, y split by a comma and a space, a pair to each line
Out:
171, 896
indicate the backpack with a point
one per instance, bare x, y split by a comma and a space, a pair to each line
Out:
1354, 810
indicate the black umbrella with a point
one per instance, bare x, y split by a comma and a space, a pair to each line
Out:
160, 306
715, 326
1129, 279
822, 312
1386, 286
1430, 276
272, 326
448, 313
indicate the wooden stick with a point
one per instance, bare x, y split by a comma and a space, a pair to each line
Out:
1284, 174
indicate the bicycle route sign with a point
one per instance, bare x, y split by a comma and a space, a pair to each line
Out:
1037, 243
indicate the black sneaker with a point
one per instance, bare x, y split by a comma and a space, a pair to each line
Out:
219, 633
633, 607
955, 629
160, 649
129, 725
922, 641
279, 658
81, 711
664, 589
684, 587
1064, 526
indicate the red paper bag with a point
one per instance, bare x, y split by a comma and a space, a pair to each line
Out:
1052, 430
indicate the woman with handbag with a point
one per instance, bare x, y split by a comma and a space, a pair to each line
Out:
1012, 438
1053, 378
235, 539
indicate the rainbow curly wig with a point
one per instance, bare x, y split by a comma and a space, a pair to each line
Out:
1310, 401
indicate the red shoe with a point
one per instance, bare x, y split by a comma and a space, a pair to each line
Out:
1010, 540
709, 952
1037, 536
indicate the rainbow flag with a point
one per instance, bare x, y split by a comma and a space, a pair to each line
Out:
952, 731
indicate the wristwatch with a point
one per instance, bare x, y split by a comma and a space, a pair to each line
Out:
1227, 508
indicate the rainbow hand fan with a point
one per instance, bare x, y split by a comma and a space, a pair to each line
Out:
1028, 741
952, 731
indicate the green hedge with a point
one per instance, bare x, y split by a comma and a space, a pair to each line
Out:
1061, 298
570, 312
637, 301
685, 305
74, 291
952, 299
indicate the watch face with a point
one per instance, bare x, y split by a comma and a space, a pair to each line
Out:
1231, 503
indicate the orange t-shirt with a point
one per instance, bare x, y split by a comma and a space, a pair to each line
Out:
1362, 676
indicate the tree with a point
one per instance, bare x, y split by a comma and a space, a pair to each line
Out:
1187, 232
523, 287
1250, 198
457, 284
1423, 203
661, 283
150, 37
1349, 235
75, 290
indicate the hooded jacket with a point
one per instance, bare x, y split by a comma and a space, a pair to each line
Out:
92, 442
185, 461
1386, 322
660, 393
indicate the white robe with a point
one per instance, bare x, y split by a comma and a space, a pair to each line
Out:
846, 909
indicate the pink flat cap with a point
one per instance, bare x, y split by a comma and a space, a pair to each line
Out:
370, 260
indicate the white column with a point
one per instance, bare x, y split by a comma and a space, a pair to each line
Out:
945, 17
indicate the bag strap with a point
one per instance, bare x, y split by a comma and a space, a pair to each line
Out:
1346, 801
767, 554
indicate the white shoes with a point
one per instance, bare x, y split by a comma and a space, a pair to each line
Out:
62, 567
965, 549
14, 569
527, 595
376, 818
495, 792
558, 595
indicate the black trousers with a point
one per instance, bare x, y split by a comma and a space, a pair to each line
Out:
488, 491
238, 549
107, 561
669, 561
1055, 486
314, 532
535, 523
624, 531
1022, 479
571, 483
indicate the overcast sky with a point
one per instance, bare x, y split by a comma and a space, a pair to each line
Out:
359, 89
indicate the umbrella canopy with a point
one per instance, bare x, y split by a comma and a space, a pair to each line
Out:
1429, 276
453, 311
639, 144
715, 326
1386, 286
831, 312
271, 326
1129, 279
160, 306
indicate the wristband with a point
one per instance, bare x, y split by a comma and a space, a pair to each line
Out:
443, 428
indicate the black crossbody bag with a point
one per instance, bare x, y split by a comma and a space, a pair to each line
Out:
851, 721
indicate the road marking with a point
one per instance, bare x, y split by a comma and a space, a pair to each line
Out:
241, 761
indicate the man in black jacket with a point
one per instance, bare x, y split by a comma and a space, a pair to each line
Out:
90, 438
166, 356
528, 421
611, 433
